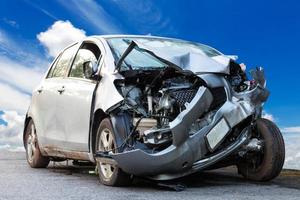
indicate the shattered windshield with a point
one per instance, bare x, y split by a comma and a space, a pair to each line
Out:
138, 59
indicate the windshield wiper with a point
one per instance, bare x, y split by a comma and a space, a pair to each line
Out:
131, 46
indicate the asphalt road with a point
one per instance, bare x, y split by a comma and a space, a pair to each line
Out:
19, 181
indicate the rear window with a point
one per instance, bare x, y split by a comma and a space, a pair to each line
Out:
60, 67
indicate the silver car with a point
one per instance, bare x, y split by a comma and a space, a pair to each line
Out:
154, 107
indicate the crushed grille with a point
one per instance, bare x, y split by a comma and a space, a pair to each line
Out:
183, 96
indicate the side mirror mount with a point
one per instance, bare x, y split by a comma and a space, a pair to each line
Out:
90, 70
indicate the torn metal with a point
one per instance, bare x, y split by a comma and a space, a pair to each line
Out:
187, 114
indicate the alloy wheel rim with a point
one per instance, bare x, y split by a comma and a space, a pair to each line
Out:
106, 144
31, 143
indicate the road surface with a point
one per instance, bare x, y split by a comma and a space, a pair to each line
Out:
58, 181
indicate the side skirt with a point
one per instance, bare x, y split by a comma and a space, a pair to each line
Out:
73, 155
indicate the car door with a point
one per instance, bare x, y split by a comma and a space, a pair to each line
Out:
74, 103
48, 92
43, 106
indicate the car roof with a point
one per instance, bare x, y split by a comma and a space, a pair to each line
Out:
122, 36
134, 36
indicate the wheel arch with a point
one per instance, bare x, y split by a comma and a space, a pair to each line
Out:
98, 116
26, 121
120, 123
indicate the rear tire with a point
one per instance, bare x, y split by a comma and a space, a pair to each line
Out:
33, 154
272, 159
105, 141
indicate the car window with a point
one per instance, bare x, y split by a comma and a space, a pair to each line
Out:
63, 62
173, 49
50, 73
135, 59
87, 52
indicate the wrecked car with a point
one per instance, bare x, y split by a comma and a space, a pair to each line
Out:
153, 107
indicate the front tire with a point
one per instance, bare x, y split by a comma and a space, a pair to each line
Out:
33, 154
110, 175
267, 165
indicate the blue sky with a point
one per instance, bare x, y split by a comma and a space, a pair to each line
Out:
261, 33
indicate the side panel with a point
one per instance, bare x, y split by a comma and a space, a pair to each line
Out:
73, 113
43, 109
107, 94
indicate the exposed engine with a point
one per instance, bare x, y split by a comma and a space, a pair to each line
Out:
155, 98
156, 101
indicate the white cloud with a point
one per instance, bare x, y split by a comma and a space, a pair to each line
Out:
292, 151
22, 51
21, 68
60, 35
292, 141
93, 13
18, 75
293, 129
20, 72
268, 116
1, 37
11, 134
12, 99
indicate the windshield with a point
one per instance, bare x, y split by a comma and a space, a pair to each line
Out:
138, 59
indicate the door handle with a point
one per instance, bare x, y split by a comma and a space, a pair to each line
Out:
61, 90
40, 90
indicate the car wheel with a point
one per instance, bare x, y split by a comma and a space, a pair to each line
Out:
268, 163
33, 154
109, 174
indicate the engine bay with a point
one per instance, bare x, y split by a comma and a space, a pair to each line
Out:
154, 98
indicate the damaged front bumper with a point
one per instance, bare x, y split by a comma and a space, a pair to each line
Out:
188, 153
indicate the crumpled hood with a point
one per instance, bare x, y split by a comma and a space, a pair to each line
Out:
195, 62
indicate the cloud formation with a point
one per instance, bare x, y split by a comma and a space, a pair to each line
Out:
94, 14
11, 134
145, 17
10, 22
60, 35
21, 51
17, 75
20, 71
292, 151
293, 129
268, 116
12, 99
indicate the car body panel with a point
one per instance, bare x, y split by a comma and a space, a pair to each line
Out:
73, 110
44, 111
106, 93
194, 62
